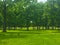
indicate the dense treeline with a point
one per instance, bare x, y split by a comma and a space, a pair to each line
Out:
29, 13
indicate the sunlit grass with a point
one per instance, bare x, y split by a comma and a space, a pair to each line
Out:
46, 37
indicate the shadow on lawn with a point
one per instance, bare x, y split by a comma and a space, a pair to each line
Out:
9, 35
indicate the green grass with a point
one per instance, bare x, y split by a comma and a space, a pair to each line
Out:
30, 38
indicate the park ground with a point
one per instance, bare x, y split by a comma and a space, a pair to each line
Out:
43, 37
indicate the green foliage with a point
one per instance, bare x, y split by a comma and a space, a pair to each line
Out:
20, 13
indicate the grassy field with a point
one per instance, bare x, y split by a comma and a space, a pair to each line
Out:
30, 38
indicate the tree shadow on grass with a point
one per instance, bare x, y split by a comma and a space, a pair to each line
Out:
9, 35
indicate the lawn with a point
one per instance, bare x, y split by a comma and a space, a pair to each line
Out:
30, 38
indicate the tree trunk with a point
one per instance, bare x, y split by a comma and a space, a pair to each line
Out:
8, 27
14, 27
52, 27
4, 15
38, 27
27, 28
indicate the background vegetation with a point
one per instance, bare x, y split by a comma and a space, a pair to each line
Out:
30, 13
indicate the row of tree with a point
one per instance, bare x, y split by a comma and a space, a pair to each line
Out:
27, 13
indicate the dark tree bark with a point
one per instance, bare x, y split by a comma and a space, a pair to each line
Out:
4, 16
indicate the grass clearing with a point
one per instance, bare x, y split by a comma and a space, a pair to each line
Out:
30, 38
